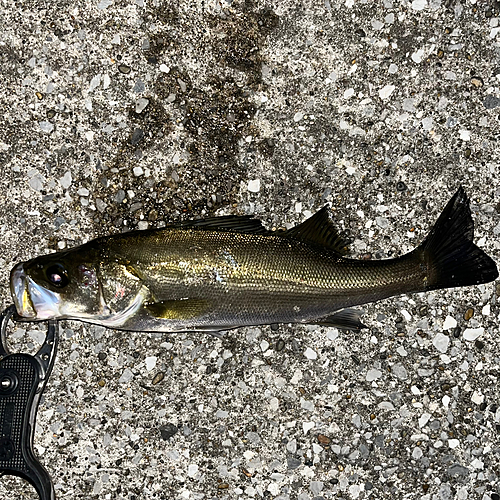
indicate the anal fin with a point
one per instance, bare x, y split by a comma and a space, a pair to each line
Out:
347, 319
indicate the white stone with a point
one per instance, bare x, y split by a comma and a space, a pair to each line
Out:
138, 171
307, 426
486, 310
427, 123
453, 443
274, 489
449, 323
418, 56
306, 405
310, 354
291, 446
66, 180
472, 334
126, 377
464, 135
348, 93
298, 116
46, 126
441, 342
406, 314
373, 374
477, 464
141, 104
104, 4
385, 92
419, 4
95, 82
477, 398
164, 68
424, 418
192, 470
254, 186
417, 453
150, 362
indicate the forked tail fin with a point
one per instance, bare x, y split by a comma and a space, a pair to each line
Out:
452, 259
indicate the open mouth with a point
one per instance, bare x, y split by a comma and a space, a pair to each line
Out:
32, 301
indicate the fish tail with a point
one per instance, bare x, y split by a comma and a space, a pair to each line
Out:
451, 257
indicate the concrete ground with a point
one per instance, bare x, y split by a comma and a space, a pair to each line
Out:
122, 114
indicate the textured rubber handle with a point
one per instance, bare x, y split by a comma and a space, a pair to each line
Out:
22, 380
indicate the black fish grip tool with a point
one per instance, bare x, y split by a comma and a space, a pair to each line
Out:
23, 378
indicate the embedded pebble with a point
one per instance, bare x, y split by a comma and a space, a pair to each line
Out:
141, 105
126, 377
168, 430
316, 487
373, 374
158, 378
468, 314
382, 222
491, 102
123, 68
385, 92
254, 186
46, 126
449, 323
310, 354
150, 363
472, 334
441, 342
307, 426
298, 116
192, 470
399, 371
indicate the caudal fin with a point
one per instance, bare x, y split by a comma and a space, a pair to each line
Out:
451, 257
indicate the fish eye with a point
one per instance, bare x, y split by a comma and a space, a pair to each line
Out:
57, 275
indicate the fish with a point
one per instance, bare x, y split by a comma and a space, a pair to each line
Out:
221, 273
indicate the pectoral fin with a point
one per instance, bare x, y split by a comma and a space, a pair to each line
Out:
347, 319
177, 309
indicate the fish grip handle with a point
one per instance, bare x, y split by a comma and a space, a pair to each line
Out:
23, 378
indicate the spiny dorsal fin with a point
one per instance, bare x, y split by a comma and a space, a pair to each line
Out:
319, 229
232, 223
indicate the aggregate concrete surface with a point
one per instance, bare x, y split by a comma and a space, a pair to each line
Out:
129, 114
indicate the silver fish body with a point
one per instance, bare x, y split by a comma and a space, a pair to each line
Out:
227, 272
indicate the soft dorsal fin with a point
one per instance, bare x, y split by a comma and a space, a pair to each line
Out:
319, 229
231, 223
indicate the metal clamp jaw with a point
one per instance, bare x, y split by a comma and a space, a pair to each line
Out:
22, 381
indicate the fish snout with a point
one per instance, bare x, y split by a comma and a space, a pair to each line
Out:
20, 292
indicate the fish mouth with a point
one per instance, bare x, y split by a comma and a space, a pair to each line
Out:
32, 301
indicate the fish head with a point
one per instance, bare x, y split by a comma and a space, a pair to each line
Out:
58, 285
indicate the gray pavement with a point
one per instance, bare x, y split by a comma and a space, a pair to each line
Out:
124, 115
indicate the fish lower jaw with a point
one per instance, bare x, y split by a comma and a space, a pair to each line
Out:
20, 293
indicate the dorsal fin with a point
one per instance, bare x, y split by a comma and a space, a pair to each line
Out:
231, 223
319, 229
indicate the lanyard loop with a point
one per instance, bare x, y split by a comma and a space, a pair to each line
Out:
23, 378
